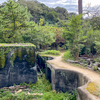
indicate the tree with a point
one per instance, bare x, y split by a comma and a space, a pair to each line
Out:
95, 22
34, 8
52, 16
14, 18
62, 13
59, 39
47, 35
74, 36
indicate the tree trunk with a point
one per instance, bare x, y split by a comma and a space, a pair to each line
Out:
80, 6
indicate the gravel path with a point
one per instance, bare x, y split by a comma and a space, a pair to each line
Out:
58, 63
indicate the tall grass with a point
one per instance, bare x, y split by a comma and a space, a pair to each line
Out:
68, 55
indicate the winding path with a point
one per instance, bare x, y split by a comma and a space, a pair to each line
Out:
58, 63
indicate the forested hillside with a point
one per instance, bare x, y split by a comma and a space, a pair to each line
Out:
39, 10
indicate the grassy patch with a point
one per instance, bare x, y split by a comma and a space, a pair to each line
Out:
50, 52
41, 87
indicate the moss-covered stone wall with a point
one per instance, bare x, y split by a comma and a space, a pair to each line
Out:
17, 50
17, 64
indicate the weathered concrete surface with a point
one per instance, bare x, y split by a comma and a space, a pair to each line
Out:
67, 81
19, 71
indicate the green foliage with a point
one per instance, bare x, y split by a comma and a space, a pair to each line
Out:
42, 86
68, 55
74, 36
95, 68
46, 35
97, 41
52, 16
90, 37
62, 13
97, 59
13, 19
95, 22
39, 10
53, 95
51, 52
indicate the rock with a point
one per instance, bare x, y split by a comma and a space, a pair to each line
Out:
34, 93
22, 87
26, 90
81, 63
99, 68
72, 61
90, 59
17, 86
12, 87
96, 65
6, 88
18, 91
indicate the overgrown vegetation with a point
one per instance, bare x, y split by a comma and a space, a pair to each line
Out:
67, 55
51, 52
41, 87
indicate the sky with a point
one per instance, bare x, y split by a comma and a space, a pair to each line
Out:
70, 5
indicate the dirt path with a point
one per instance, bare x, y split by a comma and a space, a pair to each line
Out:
58, 63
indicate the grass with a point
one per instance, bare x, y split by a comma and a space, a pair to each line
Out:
50, 52
41, 87
67, 55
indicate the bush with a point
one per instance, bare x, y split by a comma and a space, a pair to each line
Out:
68, 55
95, 68
97, 59
51, 52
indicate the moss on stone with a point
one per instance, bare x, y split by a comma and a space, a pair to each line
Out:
91, 87
19, 50
30, 59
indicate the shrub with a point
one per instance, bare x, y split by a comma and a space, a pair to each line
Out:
68, 55
95, 68
53, 95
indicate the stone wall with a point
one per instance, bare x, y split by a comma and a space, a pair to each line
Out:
19, 69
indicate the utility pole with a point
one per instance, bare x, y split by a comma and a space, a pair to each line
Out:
14, 0
80, 7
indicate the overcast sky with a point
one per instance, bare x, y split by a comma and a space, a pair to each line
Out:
70, 5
